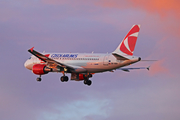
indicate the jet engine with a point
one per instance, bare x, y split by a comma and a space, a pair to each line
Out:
40, 69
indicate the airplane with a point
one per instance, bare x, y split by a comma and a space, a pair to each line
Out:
83, 66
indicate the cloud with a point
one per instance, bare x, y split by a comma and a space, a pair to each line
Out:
162, 7
147, 12
158, 68
78, 110
165, 51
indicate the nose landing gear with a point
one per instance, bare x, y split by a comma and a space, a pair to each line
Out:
39, 79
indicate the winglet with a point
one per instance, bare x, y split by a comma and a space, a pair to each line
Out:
31, 49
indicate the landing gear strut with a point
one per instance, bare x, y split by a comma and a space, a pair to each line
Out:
39, 79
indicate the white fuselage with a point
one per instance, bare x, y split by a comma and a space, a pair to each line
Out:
84, 63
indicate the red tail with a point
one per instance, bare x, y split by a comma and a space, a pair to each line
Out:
126, 47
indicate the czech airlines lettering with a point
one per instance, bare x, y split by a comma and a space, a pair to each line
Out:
83, 69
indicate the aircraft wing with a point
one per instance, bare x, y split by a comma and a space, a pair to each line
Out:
128, 69
52, 63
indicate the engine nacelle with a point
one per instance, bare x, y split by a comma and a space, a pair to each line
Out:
40, 69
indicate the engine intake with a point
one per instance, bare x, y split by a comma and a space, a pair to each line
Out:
40, 69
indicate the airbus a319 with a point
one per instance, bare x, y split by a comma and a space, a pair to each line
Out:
83, 66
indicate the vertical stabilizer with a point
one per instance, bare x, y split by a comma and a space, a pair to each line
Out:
126, 47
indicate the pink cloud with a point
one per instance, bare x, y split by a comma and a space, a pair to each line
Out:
162, 7
168, 10
165, 51
158, 68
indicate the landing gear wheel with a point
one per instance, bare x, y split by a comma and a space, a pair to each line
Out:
64, 79
87, 82
38, 79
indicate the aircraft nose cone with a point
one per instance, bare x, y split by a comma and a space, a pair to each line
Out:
28, 65
25, 64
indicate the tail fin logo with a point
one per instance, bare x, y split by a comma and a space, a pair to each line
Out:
128, 44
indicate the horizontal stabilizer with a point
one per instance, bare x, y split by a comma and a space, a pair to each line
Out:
149, 60
128, 69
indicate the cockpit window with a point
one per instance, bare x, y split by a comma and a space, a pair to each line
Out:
30, 58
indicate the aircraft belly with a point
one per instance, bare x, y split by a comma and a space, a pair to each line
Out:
102, 68
94, 70
98, 68
76, 63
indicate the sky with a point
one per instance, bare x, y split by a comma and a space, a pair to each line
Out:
86, 26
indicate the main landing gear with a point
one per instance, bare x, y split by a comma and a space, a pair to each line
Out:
64, 78
87, 82
86, 79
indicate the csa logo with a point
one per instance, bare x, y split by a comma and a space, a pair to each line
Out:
128, 44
